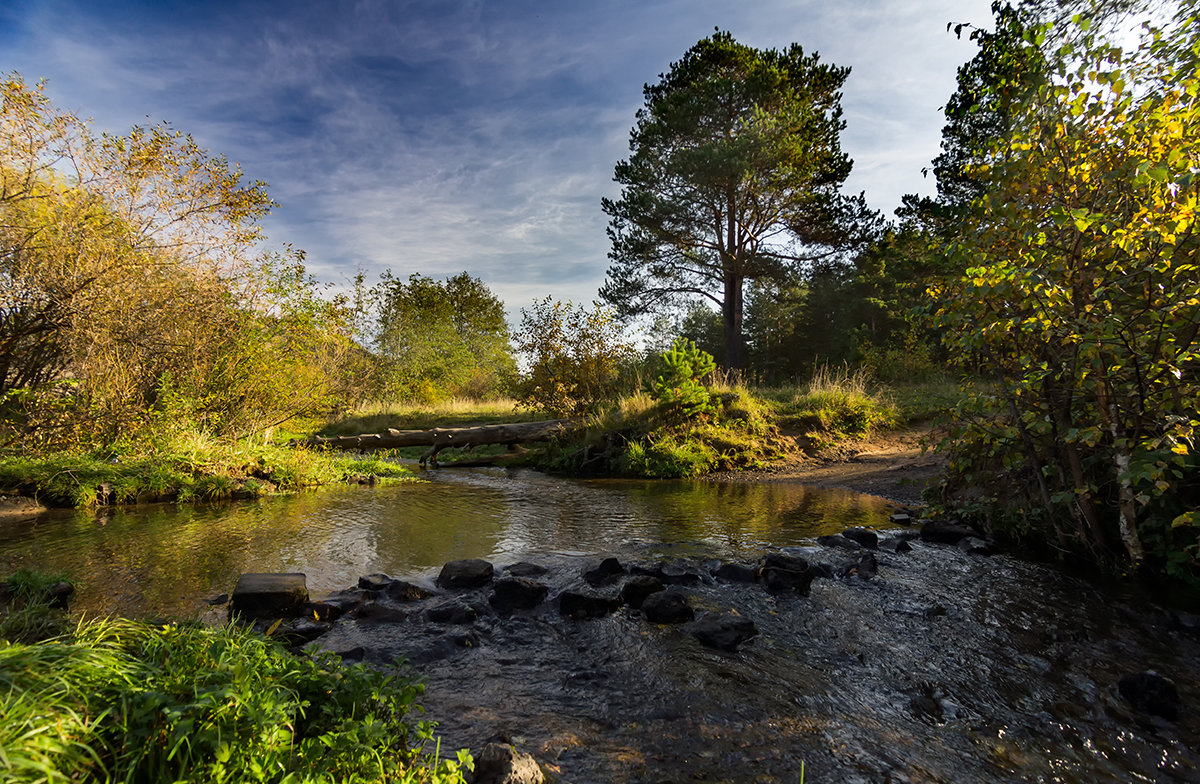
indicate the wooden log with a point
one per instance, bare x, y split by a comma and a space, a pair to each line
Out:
440, 438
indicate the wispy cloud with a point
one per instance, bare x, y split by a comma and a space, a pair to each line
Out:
440, 136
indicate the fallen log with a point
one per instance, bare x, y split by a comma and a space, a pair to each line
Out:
440, 438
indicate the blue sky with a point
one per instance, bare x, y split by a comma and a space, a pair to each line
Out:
449, 135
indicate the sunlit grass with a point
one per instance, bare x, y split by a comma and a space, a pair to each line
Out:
836, 402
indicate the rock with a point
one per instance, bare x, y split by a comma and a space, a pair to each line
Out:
723, 631
372, 612
822, 570
945, 532
517, 593
374, 582
357, 653
608, 570
896, 544
863, 536
678, 575
468, 573
577, 605
935, 611
321, 611
346, 600
525, 569
218, 600
451, 611
736, 573
867, 566
901, 518
1149, 692
838, 541
401, 591
667, 607
975, 546
500, 763
267, 595
782, 572
637, 588
59, 594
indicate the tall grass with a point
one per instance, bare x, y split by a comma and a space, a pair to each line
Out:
126, 701
835, 402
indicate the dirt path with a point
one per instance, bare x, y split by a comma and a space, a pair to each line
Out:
891, 465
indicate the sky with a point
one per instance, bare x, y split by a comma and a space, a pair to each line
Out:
439, 136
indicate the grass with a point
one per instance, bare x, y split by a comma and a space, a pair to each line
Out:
185, 467
121, 700
836, 403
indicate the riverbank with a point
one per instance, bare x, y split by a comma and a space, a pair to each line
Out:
894, 464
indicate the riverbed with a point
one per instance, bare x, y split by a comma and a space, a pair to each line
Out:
944, 666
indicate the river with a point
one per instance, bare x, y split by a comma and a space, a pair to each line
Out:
944, 667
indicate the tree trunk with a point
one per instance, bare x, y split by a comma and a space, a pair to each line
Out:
731, 312
440, 438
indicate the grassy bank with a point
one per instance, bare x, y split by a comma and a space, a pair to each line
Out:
120, 700
182, 470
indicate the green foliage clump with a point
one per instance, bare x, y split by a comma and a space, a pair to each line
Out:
834, 404
580, 360
680, 390
126, 701
440, 340
1080, 303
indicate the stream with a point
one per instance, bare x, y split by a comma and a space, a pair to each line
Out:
942, 667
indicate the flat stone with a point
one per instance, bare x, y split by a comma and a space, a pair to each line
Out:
838, 541
467, 573
452, 611
608, 570
946, 532
269, 595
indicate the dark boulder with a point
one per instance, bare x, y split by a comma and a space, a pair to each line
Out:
373, 612
577, 605
822, 570
525, 569
1151, 693
608, 571
637, 588
468, 573
517, 593
268, 595
723, 631
374, 582
345, 600
500, 763
901, 518
451, 611
867, 566
59, 594
736, 573
782, 572
667, 607
945, 532
301, 631
838, 541
863, 536
674, 574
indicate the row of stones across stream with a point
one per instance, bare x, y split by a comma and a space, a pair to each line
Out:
654, 589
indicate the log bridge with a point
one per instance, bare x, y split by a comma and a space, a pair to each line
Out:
440, 438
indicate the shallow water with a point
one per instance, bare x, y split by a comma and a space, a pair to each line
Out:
166, 559
945, 667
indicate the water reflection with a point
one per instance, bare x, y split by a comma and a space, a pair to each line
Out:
164, 559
